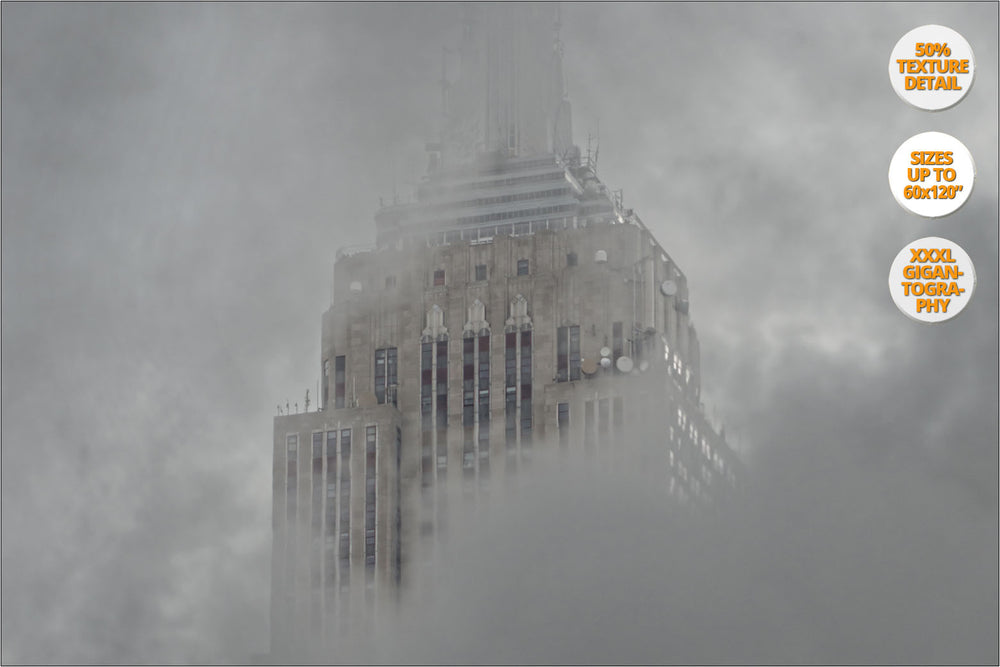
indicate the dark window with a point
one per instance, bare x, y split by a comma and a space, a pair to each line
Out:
526, 417
571, 259
426, 380
439, 278
390, 282
510, 389
522, 267
442, 384
340, 383
484, 405
480, 272
325, 398
442, 408
468, 381
316, 511
331, 513
345, 507
603, 419
619, 416
370, 438
562, 354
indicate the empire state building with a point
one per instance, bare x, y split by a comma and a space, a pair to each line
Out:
513, 306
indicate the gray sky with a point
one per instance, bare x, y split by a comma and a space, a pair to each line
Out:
177, 178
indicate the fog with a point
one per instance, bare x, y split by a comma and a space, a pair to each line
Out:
177, 178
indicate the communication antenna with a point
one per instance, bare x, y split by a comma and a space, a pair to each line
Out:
307, 400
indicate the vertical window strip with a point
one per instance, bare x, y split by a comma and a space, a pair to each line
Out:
386, 375
468, 404
426, 413
316, 510
484, 405
339, 381
391, 373
619, 416
345, 508
574, 353
370, 499
397, 551
442, 407
316, 521
380, 375
325, 398
510, 390
526, 395
330, 536
562, 354
291, 505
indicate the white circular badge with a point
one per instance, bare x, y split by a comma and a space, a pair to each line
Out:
932, 279
931, 67
932, 174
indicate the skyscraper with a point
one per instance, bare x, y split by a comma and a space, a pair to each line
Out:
514, 304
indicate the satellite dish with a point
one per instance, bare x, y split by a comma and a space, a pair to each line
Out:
605, 351
588, 366
624, 364
668, 287
605, 362
367, 400
355, 286
601, 256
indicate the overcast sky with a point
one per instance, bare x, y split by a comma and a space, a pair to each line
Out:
177, 179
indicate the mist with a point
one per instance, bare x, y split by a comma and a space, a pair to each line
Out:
177, 178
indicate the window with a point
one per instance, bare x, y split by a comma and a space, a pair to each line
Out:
510, 389
567, 353
325, 398
571, 259
439, 278
370, 437
317, 486
484, 405
522, 267
345, 508
390, 282
385, 375
340, 384
526, 417
480, 272
425, 385
442, 407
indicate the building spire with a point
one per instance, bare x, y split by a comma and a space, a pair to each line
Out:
509, 97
